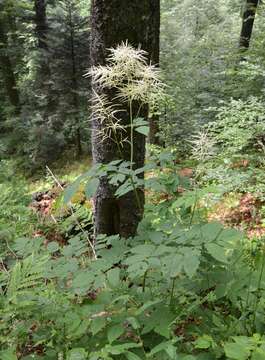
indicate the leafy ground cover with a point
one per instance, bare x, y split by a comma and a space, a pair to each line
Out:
183, 288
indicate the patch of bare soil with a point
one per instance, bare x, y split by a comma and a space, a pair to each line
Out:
244, 215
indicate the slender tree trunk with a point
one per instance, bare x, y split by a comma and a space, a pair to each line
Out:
42, 31
41, 23
155, 24
249, 14
44, 76
7, 71
74, 82
113, 22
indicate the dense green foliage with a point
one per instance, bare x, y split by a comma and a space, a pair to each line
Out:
183, 286
52, 93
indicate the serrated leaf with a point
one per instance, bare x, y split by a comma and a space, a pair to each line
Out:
132, 356
217, 252
191, 261
124, 189
91, 187
211, 231
144, 130
53, 247
121, 349
115, 332
236, 351
258, 354
171, 351
203, 342
9, 354
175, 265
77, 354
140, 121
70, 191
83, 281
146, 306
113, 277
134, 322
97, 325
166, 346
144, 250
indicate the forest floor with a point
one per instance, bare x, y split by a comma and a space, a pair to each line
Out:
239, 210
35, 214
65, 171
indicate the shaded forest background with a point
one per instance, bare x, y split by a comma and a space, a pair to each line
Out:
45, 54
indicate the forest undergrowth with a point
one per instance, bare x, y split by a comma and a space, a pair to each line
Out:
176, 182
186, 287
189, 285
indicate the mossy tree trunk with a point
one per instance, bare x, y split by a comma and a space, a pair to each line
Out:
114, 22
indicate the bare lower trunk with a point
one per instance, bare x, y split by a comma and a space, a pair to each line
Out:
114, 22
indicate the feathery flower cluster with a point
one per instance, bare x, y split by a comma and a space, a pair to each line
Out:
132, 79
203, 146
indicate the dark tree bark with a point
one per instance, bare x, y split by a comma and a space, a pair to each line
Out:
155, 24
41, 23
247, 24
154, 130
44, 77
42, 30
114, 22
7, 70
74, 81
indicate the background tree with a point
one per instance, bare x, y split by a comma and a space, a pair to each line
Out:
71, 51
249, 13
112, 23
155, 57
44, 54
6, 65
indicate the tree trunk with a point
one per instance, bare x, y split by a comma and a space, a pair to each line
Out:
44, 77
7, 71
41, 23
42, 30
74, 82
114, 22
155, 24
249, 14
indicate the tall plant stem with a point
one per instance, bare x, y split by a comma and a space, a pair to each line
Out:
172, 291
258, 291
132, 129
131, 179
118, 144
136, 194
144, 280
132, 156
